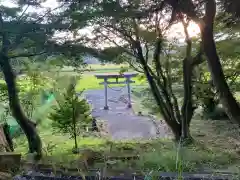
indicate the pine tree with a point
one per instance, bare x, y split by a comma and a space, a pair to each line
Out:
72, 113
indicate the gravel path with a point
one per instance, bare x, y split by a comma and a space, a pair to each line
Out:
122, 122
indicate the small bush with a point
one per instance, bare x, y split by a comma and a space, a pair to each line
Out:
218, 114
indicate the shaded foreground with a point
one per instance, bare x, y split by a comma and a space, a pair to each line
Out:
164, 176
45, 172
153, 156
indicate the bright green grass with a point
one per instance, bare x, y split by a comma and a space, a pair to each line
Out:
89, 81
108, 70
107, 66
98, 68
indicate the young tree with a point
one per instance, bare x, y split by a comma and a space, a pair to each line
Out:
71, 114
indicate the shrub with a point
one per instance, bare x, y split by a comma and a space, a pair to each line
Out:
217, 114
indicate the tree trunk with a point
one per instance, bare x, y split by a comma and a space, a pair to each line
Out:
187, 108
74, 124
27, 126
171, 122
75, 138
227, 99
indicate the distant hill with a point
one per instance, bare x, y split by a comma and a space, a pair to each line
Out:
91, 60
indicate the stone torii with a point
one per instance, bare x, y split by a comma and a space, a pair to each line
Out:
116, 76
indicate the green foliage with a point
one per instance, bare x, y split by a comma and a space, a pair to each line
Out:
31, 88
147, 99
123, 69
204, 91
63, 116
206, 96
3, 91
230, 12
72, 114
32, 33
4, 114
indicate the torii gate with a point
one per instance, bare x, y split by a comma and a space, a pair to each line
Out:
116, 76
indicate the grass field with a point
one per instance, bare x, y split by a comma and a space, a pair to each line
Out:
96, 67
89, 81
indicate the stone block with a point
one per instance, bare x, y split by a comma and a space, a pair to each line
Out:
9, 162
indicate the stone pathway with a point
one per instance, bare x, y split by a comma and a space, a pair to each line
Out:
122, 122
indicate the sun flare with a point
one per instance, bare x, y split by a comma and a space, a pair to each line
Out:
193, 29
177, 31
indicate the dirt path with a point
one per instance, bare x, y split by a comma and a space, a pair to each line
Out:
122, 122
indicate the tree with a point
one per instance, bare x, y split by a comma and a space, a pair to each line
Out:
206, 24
206, 93
14, 29
137, 30
27, 34
71, 113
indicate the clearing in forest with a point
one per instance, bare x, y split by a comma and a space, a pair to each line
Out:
123, 122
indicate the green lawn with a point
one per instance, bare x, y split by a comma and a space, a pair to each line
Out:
106, 66
89, 81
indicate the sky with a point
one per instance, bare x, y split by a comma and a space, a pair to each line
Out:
176, 31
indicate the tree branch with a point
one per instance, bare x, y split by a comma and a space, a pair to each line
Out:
198, 59
5, 41
187, 37
114, 42
20, 17
135, 68
147, 52
26, 55
20, 36
121, 31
